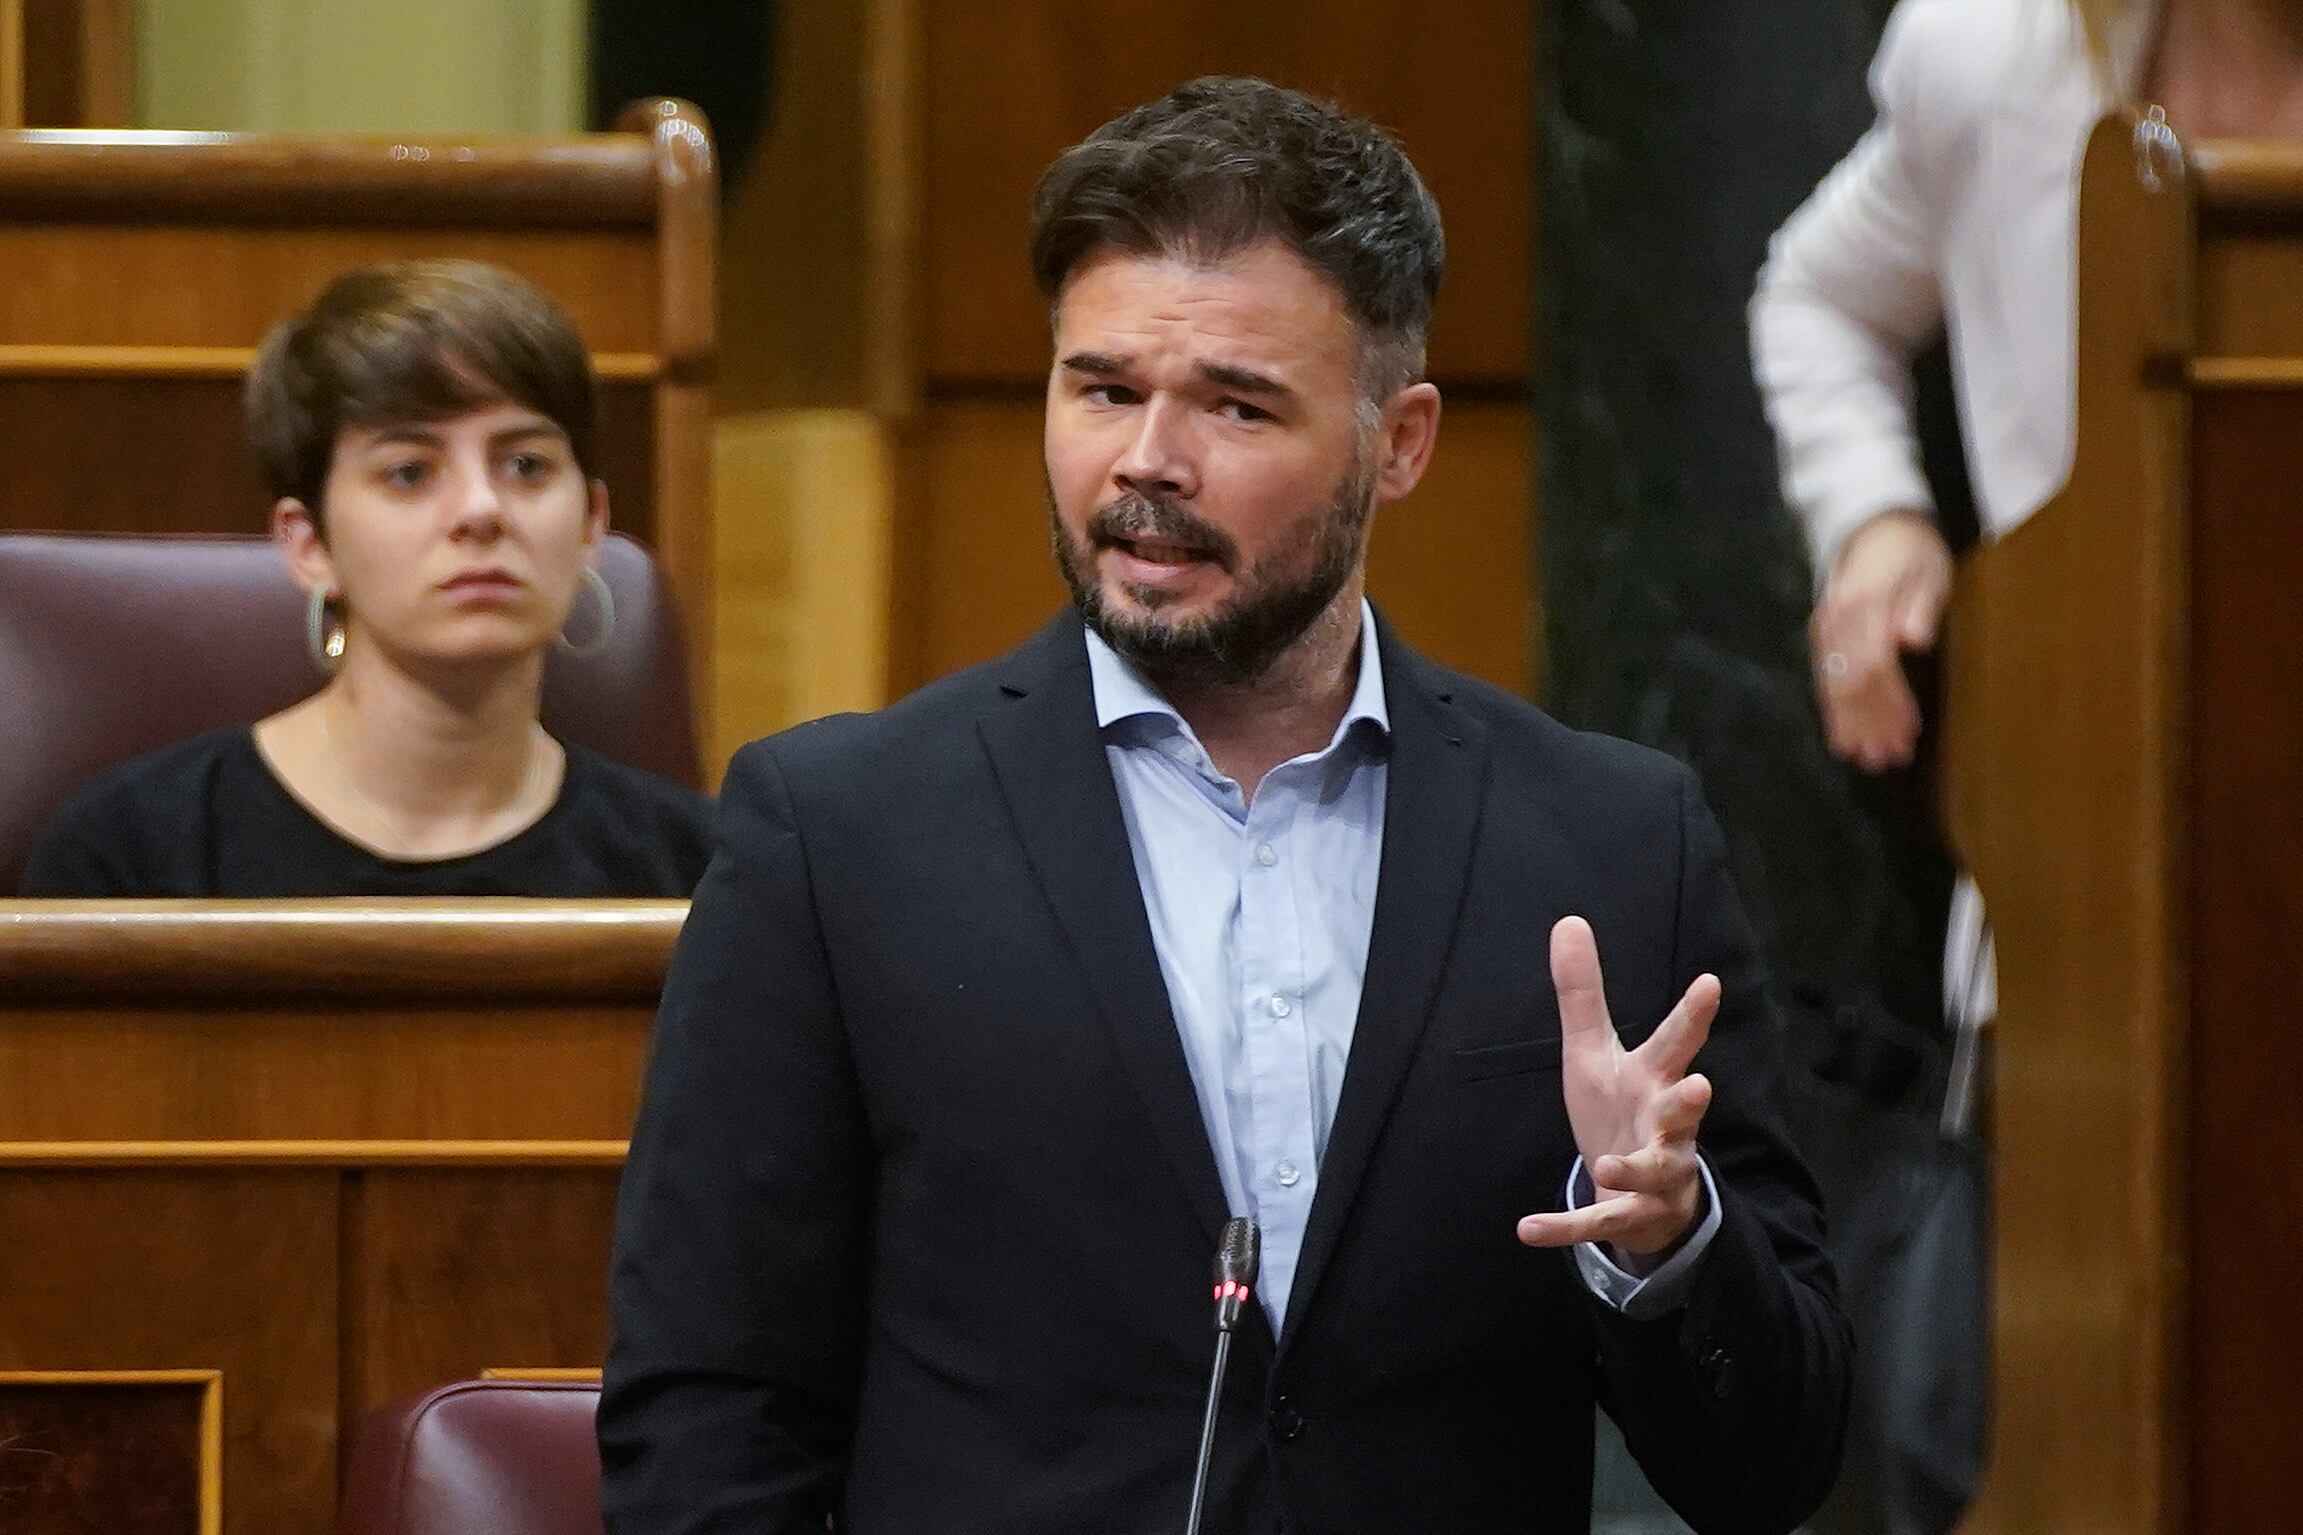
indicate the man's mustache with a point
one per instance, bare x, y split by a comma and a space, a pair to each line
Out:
1134, 517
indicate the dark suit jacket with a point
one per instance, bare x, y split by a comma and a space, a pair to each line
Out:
919, 1212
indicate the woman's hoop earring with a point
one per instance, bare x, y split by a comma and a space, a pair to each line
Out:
325, 644
597, 584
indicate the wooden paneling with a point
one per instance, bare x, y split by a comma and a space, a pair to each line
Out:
123, 284
122, 1074
139, 456
2125, 775
11, 63
1453, 565
229, 1272
219, 952
79, 59
2065, 706
106, 1450
972, 560
170, 455
2246, 1156
1010, 83
2248, 288
446, 1267
1449, 565
338, 1151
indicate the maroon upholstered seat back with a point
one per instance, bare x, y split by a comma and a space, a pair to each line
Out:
112, 645
481, 1457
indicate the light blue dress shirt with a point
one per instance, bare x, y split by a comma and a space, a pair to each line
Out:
1260, 913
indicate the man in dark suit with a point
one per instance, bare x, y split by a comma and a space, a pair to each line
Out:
1215, 899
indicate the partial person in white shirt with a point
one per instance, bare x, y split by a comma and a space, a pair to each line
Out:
1958, 211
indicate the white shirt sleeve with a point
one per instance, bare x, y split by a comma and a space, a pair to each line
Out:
1643, 1299
1848, 292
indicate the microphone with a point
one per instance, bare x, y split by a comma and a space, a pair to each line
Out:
1236, 1261
1237, 1257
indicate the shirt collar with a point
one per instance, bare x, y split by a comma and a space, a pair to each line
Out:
1123, 693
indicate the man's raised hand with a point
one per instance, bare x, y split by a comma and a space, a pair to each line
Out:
1634, 1112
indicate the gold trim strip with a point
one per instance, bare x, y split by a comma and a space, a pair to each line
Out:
11, 64
109, 1377
589, 1376
2246, 373
48, 360
312, 1153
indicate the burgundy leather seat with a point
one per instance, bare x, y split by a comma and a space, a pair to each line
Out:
114, 644
481, 1457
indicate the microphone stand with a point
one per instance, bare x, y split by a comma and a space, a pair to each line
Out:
1236, 1262
1207, 1431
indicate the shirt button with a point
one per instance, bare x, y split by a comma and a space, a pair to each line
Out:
1279, 1007
1286, 1173
1266, 854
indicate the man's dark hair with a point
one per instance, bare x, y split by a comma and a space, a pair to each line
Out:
1220, 164
411, 341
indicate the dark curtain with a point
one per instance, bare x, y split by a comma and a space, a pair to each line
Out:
715, 53
1675, 139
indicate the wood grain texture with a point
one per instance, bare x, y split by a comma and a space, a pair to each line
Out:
276, 1072
165, 452
291, 179
2065, 713
2245, 1182
108, 1450
1010, 83
253, 953
231, 1273
11, 64
2216, 373
222, 362
79, 63
454, 1270
2125, 774
119, 282
272, 1152
2249, 280
2243, 181
434, 1152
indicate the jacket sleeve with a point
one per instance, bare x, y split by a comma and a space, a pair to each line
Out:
736, 1289
1735, 1405
1849, 291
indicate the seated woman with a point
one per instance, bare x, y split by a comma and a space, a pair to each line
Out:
428, 429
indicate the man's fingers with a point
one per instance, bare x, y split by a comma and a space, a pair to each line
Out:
1632, 1223
1575, 977
1672, 1047
1661, 1167
1683, 1109
1667, 1161
1605, 1220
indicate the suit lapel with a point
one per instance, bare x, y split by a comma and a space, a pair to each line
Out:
1049, 759
1436, 775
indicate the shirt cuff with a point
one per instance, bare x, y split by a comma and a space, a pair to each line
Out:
1664, 1290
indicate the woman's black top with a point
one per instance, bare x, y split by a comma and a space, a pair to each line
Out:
205, 817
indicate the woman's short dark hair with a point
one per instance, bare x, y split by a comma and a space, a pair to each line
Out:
1220, 164
409, 341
